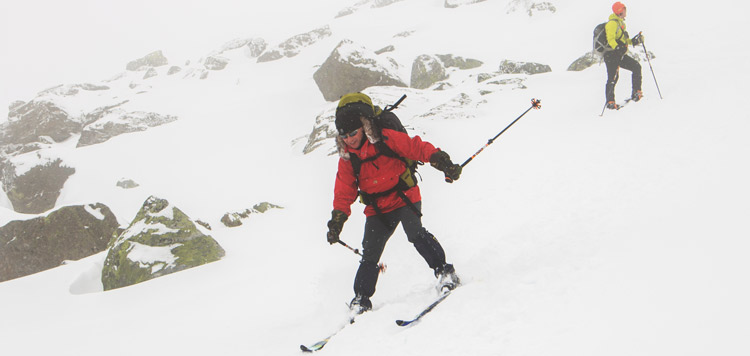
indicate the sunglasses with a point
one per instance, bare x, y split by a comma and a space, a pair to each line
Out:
351, 134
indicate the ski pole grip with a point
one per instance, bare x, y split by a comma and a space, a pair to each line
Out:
448, 179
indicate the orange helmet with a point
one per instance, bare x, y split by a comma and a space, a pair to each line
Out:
618, 8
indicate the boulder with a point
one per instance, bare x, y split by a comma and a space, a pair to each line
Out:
426, 71
294, 45
583, 62
215, 63
151, 72
69, 233
173, 70
451, 61
37, 190
352, 68
511, 67
127, 184
153, 59
389, 48
160, 240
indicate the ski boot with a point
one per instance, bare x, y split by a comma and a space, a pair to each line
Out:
637, 95
360, 304
447, 278
613, 105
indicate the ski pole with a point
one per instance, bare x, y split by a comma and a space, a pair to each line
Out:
381, 266
648, 58
535, 104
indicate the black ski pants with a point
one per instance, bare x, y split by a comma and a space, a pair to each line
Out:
614, 61
378, 229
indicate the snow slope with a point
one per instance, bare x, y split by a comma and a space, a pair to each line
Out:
574, 234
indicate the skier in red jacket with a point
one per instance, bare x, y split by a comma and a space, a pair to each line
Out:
389, 200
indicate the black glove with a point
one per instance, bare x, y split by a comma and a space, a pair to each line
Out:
638, 39
442, 162
335, 225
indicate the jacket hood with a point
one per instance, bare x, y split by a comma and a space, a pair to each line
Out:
372, 136
616, 18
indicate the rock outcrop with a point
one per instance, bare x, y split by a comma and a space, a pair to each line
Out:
159, 241
153, 59
294, 45
512, 67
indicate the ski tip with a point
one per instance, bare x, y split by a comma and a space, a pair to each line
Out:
304, 348
402, 322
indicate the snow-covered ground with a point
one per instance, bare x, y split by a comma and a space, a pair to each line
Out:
574, 234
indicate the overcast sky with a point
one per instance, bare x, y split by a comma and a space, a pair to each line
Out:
51, 42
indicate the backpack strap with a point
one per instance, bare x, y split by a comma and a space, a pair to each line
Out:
371, 199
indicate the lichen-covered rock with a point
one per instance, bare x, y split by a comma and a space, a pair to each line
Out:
426, 71
37, 190
511, 67
294, 45
352, 68
159, 241
235, 219
69, 233
153, 59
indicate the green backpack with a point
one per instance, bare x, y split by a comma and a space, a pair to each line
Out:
386, 119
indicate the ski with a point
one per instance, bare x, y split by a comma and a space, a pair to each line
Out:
619, 106
425, 311
320, 344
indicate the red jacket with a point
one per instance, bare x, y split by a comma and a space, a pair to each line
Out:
381, 174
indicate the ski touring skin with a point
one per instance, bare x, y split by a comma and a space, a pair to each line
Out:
425, 311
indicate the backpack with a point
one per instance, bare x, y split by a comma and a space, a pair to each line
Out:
386, 119
601, 45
